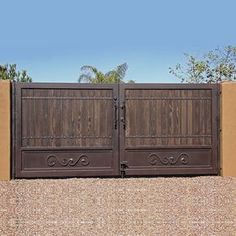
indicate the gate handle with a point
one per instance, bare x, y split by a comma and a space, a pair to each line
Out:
123, 119
115, 109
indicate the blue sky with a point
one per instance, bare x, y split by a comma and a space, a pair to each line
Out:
53, 39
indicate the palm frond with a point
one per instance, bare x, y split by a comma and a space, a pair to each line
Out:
93, 75
85, 78
121, 70
88, 68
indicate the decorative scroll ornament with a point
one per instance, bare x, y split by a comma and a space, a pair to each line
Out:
153, 159
52, 160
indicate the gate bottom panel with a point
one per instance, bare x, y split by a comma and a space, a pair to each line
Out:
169, 161
172, 171
66, 163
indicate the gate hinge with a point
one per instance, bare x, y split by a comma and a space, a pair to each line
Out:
123, 166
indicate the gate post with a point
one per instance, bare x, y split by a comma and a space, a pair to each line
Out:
228, 129
5, 139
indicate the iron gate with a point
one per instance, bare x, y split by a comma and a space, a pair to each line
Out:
62, 130
65, 130
169, 129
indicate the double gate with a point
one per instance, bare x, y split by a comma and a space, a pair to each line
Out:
62, 130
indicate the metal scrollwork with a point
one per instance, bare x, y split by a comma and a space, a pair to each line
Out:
153, 159
52, 160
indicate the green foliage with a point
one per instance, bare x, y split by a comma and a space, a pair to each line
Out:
213, 67
9, 72
92, 75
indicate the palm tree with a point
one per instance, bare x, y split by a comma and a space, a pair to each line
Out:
92, 75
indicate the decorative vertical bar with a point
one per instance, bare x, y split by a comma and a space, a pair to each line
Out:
124, 113
116, 109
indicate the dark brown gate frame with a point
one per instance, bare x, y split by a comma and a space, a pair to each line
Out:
215, 163
17, 133
120, 161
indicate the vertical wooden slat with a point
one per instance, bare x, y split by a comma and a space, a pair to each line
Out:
152, 118
190, 117
159, 121
177, 118
183, 105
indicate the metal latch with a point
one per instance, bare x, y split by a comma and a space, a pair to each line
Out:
123, 166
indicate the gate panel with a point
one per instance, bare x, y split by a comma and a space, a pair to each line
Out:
74, 130
66, 130
169, 129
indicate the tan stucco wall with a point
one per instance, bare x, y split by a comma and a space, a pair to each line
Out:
4, 130
228, 129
